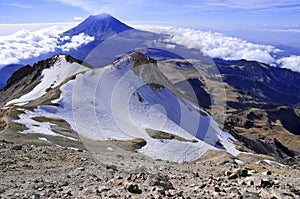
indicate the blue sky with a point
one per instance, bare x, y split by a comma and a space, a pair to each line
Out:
267, 21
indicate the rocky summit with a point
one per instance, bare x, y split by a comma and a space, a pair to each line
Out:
35, 171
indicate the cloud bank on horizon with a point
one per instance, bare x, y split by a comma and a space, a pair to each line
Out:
217, 45
292, 62
29, 44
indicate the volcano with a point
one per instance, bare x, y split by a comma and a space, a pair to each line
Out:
97, 25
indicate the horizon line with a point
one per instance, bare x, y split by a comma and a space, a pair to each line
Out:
38, 23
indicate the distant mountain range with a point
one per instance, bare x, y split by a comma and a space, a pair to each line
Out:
129, 86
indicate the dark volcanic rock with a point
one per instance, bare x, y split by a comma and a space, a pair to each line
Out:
134, 188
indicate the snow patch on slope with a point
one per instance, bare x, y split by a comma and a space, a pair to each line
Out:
174, 150
37, 127
105, 104
52, 77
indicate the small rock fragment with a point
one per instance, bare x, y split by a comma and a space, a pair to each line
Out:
217, 189
266, 183
133, 188
17, 147
161, 181
233, 176
267, 173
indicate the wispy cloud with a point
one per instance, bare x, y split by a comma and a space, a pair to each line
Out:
85, 5
245, 4
78, 18
284, 30
114, 6
20, 5
94, 7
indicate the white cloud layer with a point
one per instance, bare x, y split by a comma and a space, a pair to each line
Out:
76, 41
78, 18
217, 45
292, 62
27, 44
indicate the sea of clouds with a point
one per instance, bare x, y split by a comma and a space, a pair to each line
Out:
218, 45
27, 44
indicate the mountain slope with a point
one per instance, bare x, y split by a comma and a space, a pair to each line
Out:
31, 82
262, 101
266, 103
266, 86
129, 99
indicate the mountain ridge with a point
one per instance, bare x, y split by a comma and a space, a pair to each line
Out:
113, 85
141, 69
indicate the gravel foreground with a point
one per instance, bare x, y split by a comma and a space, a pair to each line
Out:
29, 171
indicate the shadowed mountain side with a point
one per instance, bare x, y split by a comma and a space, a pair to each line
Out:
6, 72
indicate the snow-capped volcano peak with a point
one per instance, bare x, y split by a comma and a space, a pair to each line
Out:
97, 25
102, 16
